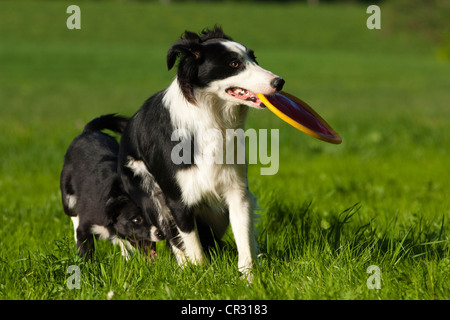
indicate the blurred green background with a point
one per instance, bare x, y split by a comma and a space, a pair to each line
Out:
386, 92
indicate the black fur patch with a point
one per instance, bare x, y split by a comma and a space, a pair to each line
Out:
195, 53
90, 176
148, 139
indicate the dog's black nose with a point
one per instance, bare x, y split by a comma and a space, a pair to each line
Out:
277, 83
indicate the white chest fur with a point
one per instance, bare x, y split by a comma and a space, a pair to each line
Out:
219, 165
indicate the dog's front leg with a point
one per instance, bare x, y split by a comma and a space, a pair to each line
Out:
240, 204
192, 247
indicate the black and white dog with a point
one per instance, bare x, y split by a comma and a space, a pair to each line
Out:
93, 196
217, 81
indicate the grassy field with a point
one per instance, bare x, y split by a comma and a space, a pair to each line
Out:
380, 198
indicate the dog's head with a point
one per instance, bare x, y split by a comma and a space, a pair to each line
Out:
214, 62
129, 222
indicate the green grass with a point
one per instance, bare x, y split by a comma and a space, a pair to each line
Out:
380, 198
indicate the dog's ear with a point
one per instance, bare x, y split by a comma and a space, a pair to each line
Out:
113, 206
116, 200
215, 33
187, 47
189, 50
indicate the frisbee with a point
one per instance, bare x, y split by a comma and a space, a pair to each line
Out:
300, 115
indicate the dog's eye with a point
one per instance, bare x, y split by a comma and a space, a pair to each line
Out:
137, 220
235, 64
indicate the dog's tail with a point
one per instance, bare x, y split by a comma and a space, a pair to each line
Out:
111, 122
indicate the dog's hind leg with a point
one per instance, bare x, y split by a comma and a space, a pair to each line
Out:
85, 243
76, 223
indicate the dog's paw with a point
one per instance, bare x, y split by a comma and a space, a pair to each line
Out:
246, 271
180, 257
183, 259
247, 275
197, 260
246, 265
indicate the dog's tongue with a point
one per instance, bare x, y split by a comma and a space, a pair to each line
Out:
300, 115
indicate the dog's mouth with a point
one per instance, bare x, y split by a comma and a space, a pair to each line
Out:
147, 248
245, 95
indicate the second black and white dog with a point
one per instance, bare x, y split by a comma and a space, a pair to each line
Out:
217, 81
92, 193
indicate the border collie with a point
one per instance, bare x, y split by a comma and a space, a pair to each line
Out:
216, 82
93, 196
